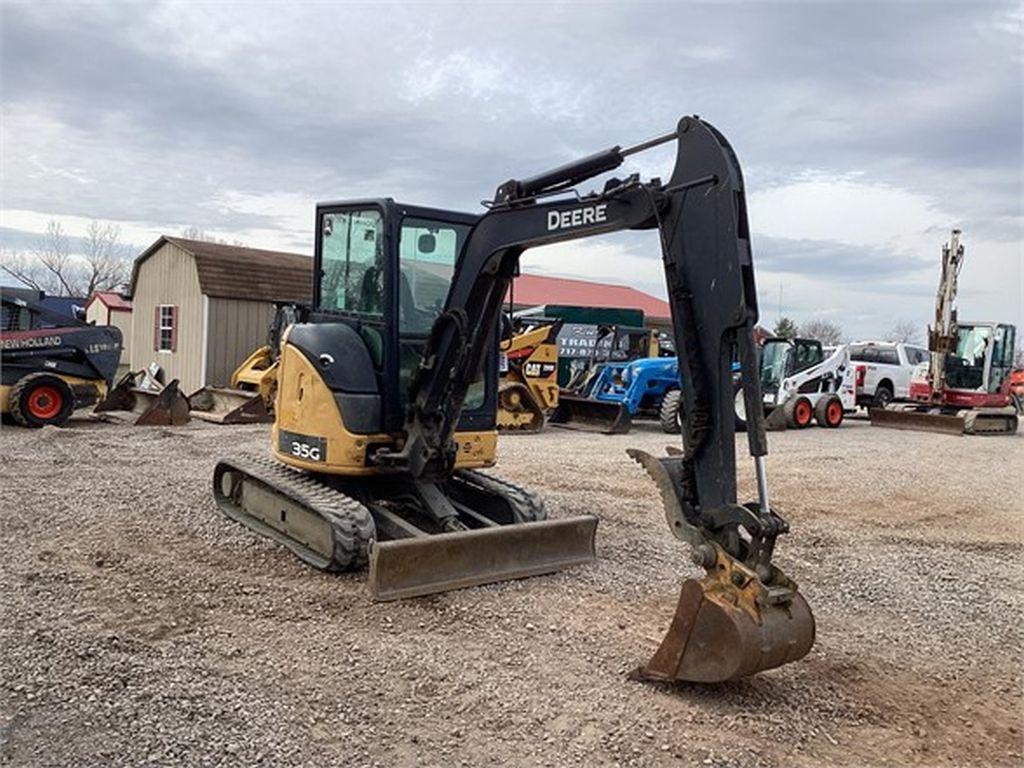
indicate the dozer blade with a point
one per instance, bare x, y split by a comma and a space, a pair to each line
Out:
425, 565
591, 415
223, 405
918, 420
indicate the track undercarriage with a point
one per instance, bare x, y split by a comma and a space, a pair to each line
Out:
419, 538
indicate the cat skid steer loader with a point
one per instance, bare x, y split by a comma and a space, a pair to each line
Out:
386, 403
528, 386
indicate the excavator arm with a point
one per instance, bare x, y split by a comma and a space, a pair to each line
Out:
745, 615
700, 217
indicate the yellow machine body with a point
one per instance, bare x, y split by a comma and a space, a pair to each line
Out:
306, 406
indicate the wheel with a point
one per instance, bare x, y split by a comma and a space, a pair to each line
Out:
739, 407
798, 412
828, 412
883, 396
40, 399
669, 415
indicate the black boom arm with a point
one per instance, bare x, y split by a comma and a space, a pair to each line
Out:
700, 216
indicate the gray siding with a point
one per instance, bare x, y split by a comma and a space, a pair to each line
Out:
237, 327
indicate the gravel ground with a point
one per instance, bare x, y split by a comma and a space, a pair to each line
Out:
140, 627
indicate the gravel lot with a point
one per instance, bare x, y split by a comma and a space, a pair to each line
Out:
138, 626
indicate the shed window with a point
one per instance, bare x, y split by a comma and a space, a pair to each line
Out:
165, 328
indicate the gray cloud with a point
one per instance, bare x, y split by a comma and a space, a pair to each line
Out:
150, 113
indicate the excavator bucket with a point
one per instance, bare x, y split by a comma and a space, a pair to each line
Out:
977, 421
225, 405
590, 415
715, 637
425, 565
731, 623
146, 407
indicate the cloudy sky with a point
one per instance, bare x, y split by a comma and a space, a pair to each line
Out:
866, 131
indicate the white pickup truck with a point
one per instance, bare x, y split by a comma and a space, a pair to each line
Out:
883, 370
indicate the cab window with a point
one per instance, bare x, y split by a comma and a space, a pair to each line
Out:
427, 251
352, 269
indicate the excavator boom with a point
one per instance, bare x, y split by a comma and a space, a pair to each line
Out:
700, 218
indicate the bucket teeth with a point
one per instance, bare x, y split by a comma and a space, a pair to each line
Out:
667, 474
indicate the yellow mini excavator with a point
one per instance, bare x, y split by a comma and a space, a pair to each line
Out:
387, 400
528, 388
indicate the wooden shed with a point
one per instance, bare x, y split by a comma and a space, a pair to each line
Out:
199, 308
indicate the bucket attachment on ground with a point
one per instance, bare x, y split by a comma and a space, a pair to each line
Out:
224, 405
425, 565
146, 407
922, 418
590, 415
731, 623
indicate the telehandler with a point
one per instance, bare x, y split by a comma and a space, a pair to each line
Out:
386, 404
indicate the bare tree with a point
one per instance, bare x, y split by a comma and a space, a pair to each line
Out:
201, 235
906, 331
51, 267
825, 331
106, 259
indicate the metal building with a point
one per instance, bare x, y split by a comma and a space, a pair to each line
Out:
199, 308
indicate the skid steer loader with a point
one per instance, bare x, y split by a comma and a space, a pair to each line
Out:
249, 398
51, 364
386, 403
528, 386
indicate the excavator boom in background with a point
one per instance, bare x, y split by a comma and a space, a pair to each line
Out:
386, 402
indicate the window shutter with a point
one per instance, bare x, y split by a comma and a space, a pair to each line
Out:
174, 328
156, 328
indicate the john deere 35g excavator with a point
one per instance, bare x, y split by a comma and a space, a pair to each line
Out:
387, 396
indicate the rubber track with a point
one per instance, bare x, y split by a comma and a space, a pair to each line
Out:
527, 505
351, 523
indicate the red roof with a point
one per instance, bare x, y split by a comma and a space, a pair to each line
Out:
537, 290
111, 300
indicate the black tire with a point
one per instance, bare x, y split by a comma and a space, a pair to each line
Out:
799, 413
669, 416
828, 412
883, 396
41, 399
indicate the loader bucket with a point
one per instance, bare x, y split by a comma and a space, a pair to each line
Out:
587, 414
146, 407
161, 409
425, 565
223, 405
712, 639
119, 397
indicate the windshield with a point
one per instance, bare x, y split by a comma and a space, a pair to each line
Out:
427, 251
773, 364
352, 274
966, 368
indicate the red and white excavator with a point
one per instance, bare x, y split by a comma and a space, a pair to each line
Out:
965, 386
